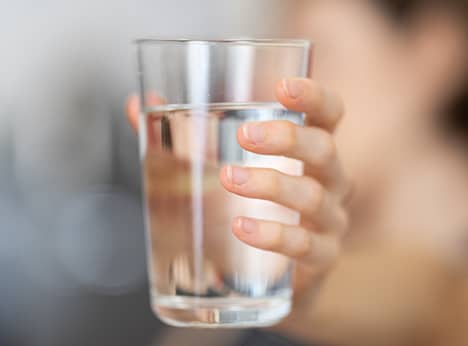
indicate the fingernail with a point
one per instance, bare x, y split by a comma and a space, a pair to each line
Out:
247, 225
237, 175
254, 132
293, 88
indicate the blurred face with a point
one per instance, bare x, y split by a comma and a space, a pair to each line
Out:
390, 79
357, 55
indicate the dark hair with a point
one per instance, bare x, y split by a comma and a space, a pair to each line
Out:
402, 11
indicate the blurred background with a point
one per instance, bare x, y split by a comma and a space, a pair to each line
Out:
72, 256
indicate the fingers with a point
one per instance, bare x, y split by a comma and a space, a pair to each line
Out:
292, 241
312, 145
304, 194
322, 107
132, 107
132, 110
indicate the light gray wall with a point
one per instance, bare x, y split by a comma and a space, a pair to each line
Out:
69, 177
67, 67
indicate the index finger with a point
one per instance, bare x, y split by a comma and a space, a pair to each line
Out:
322, 107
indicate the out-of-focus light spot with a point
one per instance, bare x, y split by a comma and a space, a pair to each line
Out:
101, 241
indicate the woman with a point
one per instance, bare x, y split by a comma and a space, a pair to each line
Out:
395, 278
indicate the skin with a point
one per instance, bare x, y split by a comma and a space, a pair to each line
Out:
318, 195
383, 267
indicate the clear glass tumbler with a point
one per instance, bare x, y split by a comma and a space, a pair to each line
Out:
194, 97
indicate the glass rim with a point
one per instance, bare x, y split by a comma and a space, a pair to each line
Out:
269, 42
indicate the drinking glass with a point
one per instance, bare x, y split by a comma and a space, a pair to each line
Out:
194, 96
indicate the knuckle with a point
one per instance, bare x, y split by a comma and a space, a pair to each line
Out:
274, 241
327, 152
288, 137
314, 199
304, 248
272, 184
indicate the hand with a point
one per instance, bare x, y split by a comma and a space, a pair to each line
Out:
318, 195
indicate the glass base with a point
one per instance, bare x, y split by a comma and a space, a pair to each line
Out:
220, 312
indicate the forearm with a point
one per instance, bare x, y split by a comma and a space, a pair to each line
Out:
379, 295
